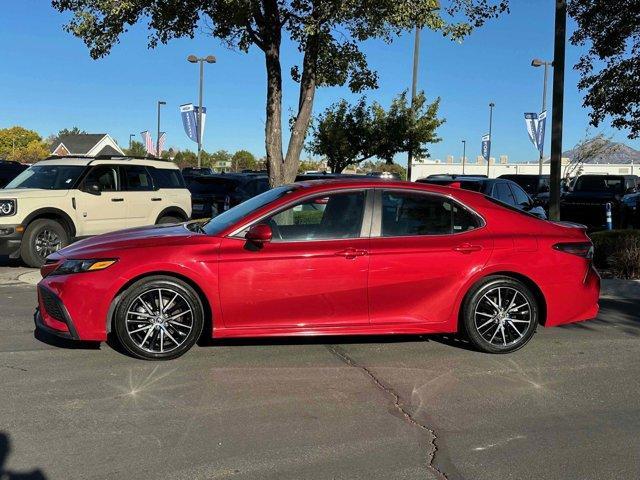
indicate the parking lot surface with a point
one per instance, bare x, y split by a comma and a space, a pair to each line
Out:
565, 406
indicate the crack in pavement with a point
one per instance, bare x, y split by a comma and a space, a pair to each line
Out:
345, 358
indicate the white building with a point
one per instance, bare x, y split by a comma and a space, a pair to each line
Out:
478, 166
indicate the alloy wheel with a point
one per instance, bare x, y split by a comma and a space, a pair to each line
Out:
47, 242
503, 316
159, 320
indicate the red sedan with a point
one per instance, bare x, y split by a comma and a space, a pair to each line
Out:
326, 258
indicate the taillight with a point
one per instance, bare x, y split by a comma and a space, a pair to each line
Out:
581, 249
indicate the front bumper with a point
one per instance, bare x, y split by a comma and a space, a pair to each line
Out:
51, 315
10, 240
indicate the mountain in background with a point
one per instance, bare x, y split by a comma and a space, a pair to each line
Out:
602, 150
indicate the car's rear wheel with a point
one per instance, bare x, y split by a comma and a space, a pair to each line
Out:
42, 238
500, 315
158, 318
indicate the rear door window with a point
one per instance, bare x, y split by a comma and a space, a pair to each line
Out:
137, 178
167, 178
502, 192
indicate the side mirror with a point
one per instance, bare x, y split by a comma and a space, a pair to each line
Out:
259, 234
92, 188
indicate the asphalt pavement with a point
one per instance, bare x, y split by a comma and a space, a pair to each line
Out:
567, 406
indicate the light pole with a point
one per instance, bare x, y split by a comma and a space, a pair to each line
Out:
131, 135
491, 105
201, 61
536, 62
558, 106
464, 154
160, 103
414, 87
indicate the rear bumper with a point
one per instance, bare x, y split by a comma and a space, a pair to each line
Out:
569, 303
10, 240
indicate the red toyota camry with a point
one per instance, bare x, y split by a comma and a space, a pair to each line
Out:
326, 258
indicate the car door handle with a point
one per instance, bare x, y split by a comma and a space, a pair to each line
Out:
467, 248
117, 199
351, 253
156, 199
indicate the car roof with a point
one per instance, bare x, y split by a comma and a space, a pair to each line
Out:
84, 161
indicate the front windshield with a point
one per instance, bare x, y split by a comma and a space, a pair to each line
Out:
48, 177
593, 183
237, 213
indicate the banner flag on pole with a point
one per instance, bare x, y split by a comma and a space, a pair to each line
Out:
189, 121
148, 142
161, 142
486, 142
189, 114
535, 128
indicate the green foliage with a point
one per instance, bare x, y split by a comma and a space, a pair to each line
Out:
243, 160
381, 166
18, 143
73, 131
310, 166
328, 34
185, 158
349, 134
137, 149
618, 251
307, 217
610, 70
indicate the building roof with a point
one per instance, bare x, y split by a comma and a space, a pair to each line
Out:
79, 144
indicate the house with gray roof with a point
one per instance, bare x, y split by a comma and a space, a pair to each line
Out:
86, 144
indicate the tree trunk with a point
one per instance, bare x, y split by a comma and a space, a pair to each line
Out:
273, 125
305, 107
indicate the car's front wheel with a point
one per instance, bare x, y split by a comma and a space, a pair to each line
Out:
158, 318
500, 315
42, 238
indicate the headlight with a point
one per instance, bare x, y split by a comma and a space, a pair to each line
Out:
80, 266
7, 207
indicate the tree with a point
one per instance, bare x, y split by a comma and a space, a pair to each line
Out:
185, 158
243, 160
217, 159
20, 144
349, 134
137, 149
383, 166
73, 131
610, 70
586, 151
328, 34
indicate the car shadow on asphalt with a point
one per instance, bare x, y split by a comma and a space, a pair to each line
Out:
623, 314
5, 261
5, 450
59, 342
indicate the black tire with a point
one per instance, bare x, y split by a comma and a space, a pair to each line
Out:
168, 219
493, 330
41, 238
155, 338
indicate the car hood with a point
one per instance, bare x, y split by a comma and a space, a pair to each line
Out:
31, 193
141, 237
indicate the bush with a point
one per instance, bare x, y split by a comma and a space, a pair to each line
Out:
618, 251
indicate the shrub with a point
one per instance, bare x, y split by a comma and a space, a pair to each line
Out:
618, 251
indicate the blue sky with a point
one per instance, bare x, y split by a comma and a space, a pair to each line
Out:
49, 82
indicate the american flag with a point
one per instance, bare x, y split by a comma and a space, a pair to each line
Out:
148, 142
161, 141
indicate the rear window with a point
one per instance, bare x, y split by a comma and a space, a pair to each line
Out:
596, 183
213, 185
167, 178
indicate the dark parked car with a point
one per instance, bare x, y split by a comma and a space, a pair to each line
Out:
10, 170
214, 194
505, 191
456, 176
536, 186
586, 202
189, 173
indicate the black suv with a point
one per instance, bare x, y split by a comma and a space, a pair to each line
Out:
503, 190
10, 170
587, 200
536, 186
213, 194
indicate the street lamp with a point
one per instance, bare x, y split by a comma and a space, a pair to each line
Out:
201, 61
160, 103
464, 154
131, 135
491, 105
536, 62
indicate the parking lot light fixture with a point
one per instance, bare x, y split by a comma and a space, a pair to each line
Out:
201, 61
536, 62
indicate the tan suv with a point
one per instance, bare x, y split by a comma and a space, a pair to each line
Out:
57, 201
